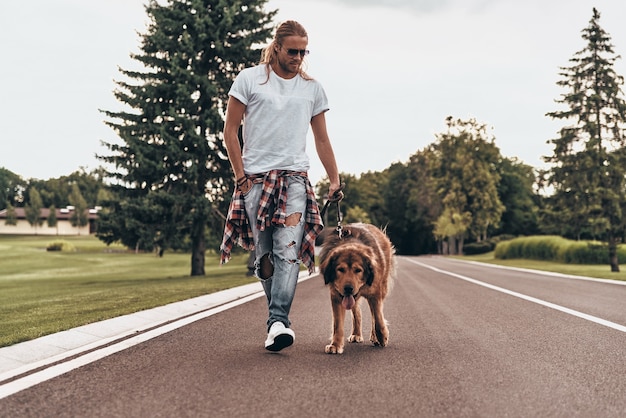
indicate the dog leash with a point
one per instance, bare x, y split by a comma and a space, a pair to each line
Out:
336, 198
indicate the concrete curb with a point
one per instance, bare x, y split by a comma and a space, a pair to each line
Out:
23, 358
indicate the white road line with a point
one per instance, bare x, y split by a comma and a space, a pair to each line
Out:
578, 314
33, 379
545, 273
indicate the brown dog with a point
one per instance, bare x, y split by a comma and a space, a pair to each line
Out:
357, 264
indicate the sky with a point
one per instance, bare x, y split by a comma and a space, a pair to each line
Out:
393, 71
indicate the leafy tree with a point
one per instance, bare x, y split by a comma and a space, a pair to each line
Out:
409, 204
33, 208
589, 159
465, 170
11, 218
79, 216
393, 200
515, 190
405, 227
452, 224
12, 188
370, 186
423, 202
52, 217
56, 191
357, 214
172, 149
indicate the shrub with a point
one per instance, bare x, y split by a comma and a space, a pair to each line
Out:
60, 245
474, 248
554, 248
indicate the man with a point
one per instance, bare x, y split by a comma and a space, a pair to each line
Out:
274, 210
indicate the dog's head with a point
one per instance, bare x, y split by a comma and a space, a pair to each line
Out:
348, 268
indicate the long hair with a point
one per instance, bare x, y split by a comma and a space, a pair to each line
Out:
268, 54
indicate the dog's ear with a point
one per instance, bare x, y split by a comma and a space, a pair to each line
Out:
368, 271
369, 267
328, 267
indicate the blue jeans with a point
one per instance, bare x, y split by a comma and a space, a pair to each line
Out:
278, 245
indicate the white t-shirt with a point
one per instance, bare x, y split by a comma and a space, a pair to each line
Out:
277, 118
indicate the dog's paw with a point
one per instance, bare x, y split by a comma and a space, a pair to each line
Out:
355, 339
380, 339
333, 349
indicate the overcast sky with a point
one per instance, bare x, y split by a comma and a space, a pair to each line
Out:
393, 71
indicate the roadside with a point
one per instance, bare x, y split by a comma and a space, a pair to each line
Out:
30, 356
24, 358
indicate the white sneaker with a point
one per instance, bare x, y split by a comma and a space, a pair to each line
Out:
279, 337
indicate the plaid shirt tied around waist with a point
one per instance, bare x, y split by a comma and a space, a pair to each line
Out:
239, 231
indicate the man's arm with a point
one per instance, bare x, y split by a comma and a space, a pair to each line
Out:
234, 115
325, 152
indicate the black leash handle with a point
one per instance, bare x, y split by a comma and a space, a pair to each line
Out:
336, 198
339, 229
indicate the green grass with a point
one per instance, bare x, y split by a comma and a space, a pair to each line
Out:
600, 271
43, 292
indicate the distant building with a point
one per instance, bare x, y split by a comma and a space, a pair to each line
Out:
63, 226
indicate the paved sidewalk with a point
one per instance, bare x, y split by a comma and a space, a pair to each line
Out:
23, 358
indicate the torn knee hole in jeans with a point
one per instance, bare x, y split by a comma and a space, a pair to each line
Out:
292, 261
290, 249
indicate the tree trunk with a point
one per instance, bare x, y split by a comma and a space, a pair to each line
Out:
198, 248
452, 247
613, 254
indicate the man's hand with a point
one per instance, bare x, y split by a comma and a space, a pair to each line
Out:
335, 192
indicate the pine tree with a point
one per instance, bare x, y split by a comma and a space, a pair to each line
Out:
174, 178
589, 159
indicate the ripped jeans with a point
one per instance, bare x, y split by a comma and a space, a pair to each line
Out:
277, 264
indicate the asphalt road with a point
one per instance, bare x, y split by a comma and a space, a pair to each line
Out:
466, 340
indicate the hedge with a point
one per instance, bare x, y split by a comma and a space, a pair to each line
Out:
559, 249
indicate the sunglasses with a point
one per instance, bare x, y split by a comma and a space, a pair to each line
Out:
294, 52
